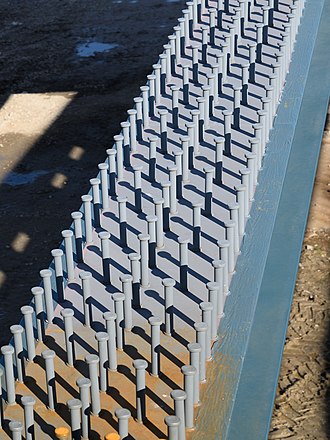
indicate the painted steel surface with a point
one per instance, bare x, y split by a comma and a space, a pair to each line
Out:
160, 233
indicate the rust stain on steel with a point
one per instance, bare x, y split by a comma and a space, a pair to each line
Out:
121, 390
220, 386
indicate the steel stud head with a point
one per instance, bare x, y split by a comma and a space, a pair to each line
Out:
67, 313
188, 370
123, 413
91, 359
194, 347
155, 320
7, 350
101, 336
109, 316
168, 282
140, 364
27, 310
48, 354
83, 382
28, 400
178, 395
16, 329
84, 275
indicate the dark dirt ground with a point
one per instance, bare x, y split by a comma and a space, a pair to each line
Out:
60, 112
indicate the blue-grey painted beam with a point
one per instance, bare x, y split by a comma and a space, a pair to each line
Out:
264, 354
247, 356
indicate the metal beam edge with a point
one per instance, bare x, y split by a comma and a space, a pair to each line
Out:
247, 355
252, 412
